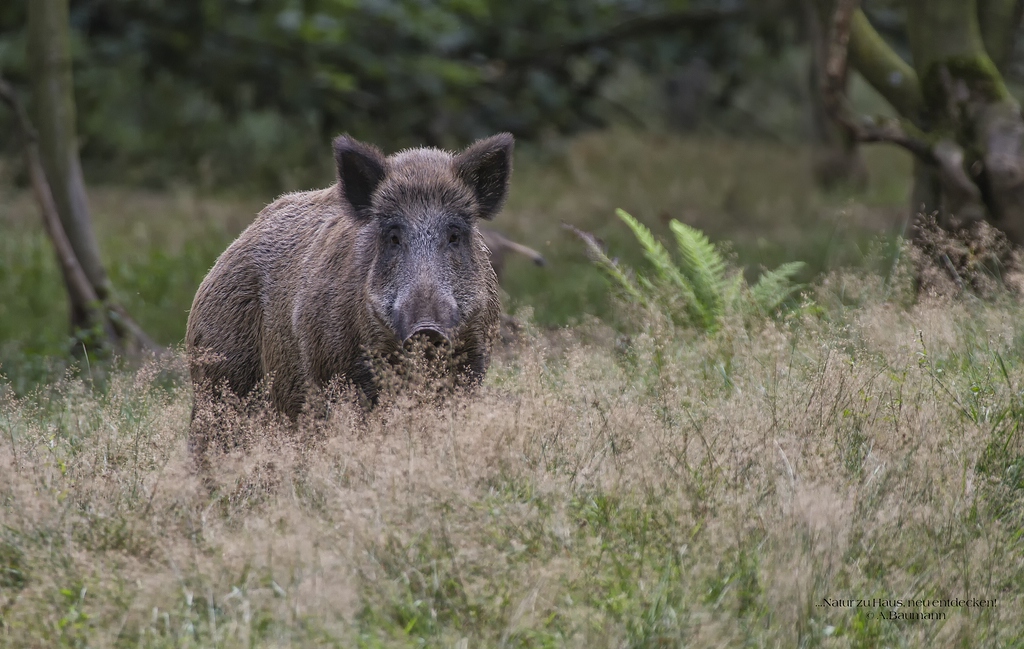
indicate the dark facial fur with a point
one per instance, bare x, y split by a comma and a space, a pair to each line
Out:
421, 208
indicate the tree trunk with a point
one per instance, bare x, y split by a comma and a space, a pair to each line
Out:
998, 20
957, 116
837, 157
926, 192
49, 50
80, 289
98, 323
967, 103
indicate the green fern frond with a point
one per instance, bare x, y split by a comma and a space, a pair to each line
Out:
776, 286
665, 268
704, 267
653, 250
701, 290
610, 267
647, 285
666, 271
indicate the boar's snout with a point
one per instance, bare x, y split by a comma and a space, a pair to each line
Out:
426, 316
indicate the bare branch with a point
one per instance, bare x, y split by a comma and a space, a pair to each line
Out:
834, 99
78, 283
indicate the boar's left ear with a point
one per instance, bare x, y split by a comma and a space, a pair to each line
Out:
360, 170
486, 167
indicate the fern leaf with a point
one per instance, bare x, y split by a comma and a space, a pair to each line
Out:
646, 285
611, 268
665, 268
704, 268
776, 286
653, 250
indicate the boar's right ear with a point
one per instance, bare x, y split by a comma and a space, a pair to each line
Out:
486, 167
360, 170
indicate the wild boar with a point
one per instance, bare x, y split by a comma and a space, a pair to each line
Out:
324, 281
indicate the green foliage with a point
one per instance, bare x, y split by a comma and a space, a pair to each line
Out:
703, 268
12, 570
249, 92
155, 284
611, 267
33, 310
699, 290
776, 286
224, 92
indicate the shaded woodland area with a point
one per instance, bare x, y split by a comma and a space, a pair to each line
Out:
242, 94
234, 88
236, 92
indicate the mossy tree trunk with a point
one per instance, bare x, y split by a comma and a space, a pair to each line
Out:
957, 116
98, 324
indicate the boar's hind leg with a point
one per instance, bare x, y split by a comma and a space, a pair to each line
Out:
217, 408
225, 369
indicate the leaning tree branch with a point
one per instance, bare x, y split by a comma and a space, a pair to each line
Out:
834, 100
111, 315
999, 21
78, 283
126, 327
883, 68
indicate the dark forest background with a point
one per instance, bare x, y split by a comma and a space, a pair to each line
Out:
234, 92
193, 114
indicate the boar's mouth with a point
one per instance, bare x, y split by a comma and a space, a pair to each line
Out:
427, 335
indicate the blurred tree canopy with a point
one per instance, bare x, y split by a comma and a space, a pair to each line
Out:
226, 92
218, 87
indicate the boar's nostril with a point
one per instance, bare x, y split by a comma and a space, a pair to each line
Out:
429, 335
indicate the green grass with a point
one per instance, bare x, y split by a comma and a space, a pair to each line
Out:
755, 198
157, 249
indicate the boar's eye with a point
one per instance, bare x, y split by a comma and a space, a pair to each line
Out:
394, 237
456, 235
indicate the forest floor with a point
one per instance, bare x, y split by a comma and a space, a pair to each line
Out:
849, 474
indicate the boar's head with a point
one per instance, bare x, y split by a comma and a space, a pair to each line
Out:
428, 274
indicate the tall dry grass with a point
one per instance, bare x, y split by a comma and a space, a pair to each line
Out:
600, 490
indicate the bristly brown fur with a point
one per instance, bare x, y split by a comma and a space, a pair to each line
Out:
325, 280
